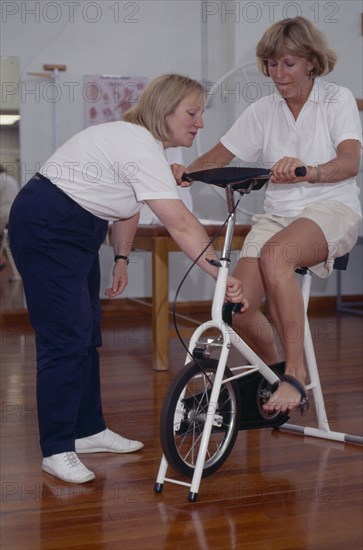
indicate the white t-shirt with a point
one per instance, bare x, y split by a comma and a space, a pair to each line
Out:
110, 169
267, 131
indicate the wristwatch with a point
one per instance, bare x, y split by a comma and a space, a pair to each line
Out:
120, 257
315, 167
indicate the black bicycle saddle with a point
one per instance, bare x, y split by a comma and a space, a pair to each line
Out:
237, 177
234, 176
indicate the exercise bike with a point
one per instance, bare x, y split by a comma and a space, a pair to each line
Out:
208, 403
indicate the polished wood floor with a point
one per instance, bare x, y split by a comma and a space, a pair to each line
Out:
277, 491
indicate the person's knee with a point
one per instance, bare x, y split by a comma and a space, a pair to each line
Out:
60, 339
277, 262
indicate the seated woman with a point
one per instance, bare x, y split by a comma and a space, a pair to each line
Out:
307, 221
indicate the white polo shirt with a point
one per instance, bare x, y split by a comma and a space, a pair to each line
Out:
267, 131
110, 169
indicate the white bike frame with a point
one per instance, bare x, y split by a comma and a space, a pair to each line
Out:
231, 339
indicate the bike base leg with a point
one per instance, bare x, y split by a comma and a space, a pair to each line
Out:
158, 487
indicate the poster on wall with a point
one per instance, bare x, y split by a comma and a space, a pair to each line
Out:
107, 97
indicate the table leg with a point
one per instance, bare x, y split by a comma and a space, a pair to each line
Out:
160, 305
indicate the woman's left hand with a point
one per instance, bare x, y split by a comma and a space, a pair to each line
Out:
234, 293
178, 171
284, 171
120, 280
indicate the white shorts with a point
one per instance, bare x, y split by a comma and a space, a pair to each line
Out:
339, 224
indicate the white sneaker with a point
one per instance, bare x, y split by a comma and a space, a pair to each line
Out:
107, 442
68, 467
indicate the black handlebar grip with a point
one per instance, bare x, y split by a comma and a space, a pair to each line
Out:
300, 171
229, 309
185, 177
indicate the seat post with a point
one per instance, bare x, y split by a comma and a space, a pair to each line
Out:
226, 253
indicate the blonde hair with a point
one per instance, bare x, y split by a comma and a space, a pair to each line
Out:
159, 99
299, 37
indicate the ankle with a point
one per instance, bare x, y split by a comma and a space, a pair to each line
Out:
298, 372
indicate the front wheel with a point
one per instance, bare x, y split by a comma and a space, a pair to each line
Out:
184, 413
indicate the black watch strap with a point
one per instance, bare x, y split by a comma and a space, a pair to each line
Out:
120, 257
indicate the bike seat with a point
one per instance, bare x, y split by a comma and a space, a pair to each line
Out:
239, 178
339, 263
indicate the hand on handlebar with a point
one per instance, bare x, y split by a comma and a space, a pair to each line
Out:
284, 171
234, 293
178, 171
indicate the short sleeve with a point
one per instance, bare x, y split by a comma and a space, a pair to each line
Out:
344, 119
153, 179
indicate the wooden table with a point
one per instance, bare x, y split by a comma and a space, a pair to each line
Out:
156, 239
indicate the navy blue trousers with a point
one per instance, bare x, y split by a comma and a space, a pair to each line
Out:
55, 244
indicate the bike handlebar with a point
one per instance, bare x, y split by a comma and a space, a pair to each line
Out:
234, 174
300, 171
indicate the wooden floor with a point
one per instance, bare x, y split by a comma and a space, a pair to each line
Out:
275, 492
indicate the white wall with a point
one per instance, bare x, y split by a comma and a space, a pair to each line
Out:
143, 38
147, 38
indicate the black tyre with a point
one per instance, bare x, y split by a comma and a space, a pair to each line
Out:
184, 413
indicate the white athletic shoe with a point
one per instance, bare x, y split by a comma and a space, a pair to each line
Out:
67, 467
107, 442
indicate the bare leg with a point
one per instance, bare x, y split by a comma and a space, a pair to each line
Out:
300, 244
252, 325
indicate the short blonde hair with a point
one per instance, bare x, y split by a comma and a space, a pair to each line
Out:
299, 37
159, 99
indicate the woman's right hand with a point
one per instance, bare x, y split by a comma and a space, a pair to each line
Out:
119, 281
234, 293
